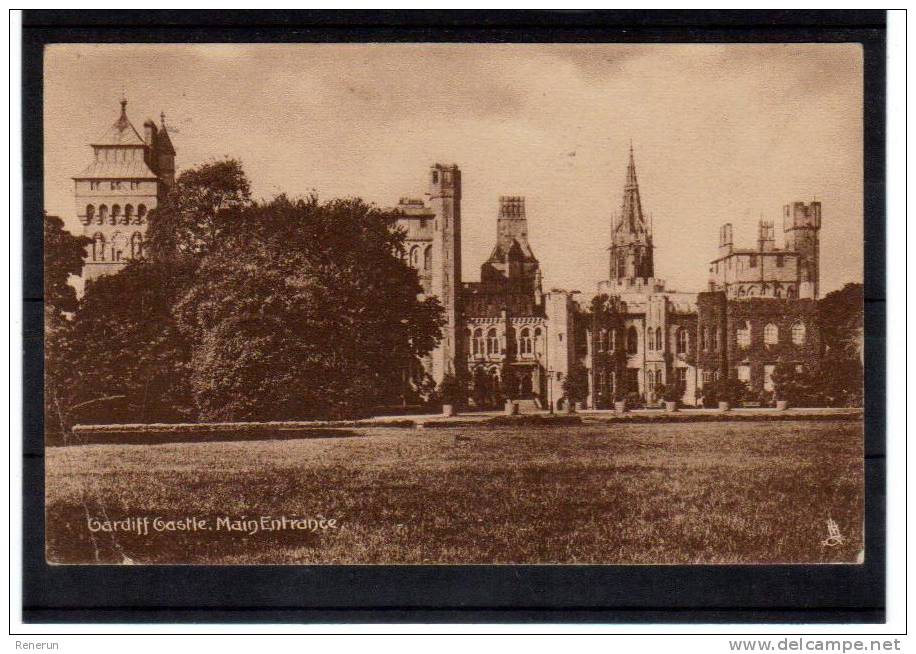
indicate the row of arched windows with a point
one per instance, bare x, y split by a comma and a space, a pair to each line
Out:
771, 334
117, 247
114, 216
489, 344
778, 291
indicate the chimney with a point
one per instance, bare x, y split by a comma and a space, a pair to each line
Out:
725, 239
765, 236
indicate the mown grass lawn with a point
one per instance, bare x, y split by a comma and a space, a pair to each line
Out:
656, 493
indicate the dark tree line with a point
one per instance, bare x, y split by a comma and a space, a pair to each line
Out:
242, 310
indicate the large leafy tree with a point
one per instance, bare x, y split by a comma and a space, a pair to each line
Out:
841, 320
127, 358
64, 255
202, 209
840, 316
306, 312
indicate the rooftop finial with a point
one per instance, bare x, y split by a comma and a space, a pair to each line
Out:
123, 101
162, 119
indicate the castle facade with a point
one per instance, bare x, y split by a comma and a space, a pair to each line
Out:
504, 335
507, 337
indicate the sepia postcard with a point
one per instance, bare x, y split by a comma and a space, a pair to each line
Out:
448, 304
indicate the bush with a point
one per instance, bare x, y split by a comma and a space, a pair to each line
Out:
729, 389
575, 384
673, 393
450, 390
634, 400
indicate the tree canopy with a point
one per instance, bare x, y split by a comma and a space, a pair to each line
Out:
307, 312
285, 309
201, 210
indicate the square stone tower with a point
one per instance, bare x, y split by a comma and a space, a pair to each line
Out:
129, 177
445, 278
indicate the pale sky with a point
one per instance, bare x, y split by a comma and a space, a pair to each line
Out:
721, 133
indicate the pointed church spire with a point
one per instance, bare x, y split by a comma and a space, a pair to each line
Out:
631, 237
632, 220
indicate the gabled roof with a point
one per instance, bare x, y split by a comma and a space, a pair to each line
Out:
122, 132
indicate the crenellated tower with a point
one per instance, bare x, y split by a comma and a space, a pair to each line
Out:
802, 227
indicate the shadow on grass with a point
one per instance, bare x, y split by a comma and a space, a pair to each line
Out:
158, 437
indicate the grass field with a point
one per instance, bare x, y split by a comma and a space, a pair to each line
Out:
688, 493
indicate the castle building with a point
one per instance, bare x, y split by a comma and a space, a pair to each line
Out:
129, 176
503, 334
759, 310
642, 335
520, 339
506, 337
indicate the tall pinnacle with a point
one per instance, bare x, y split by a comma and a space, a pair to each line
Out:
631, 220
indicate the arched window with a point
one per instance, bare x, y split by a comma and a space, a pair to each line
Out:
136, 246
538, 335
527, 347
770, 334
798, 333
715, 339
741, 291
118, 243
90, 214
98, 247
492, 341
128, 214
612, 344
478, 342
115, 213
706, 339
659, 343
632, 341
602, 340
683, 341
621, 267
141, 215
428, 259
103, 214
415, 257
744, 336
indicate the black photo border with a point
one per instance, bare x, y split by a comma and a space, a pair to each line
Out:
454, 594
